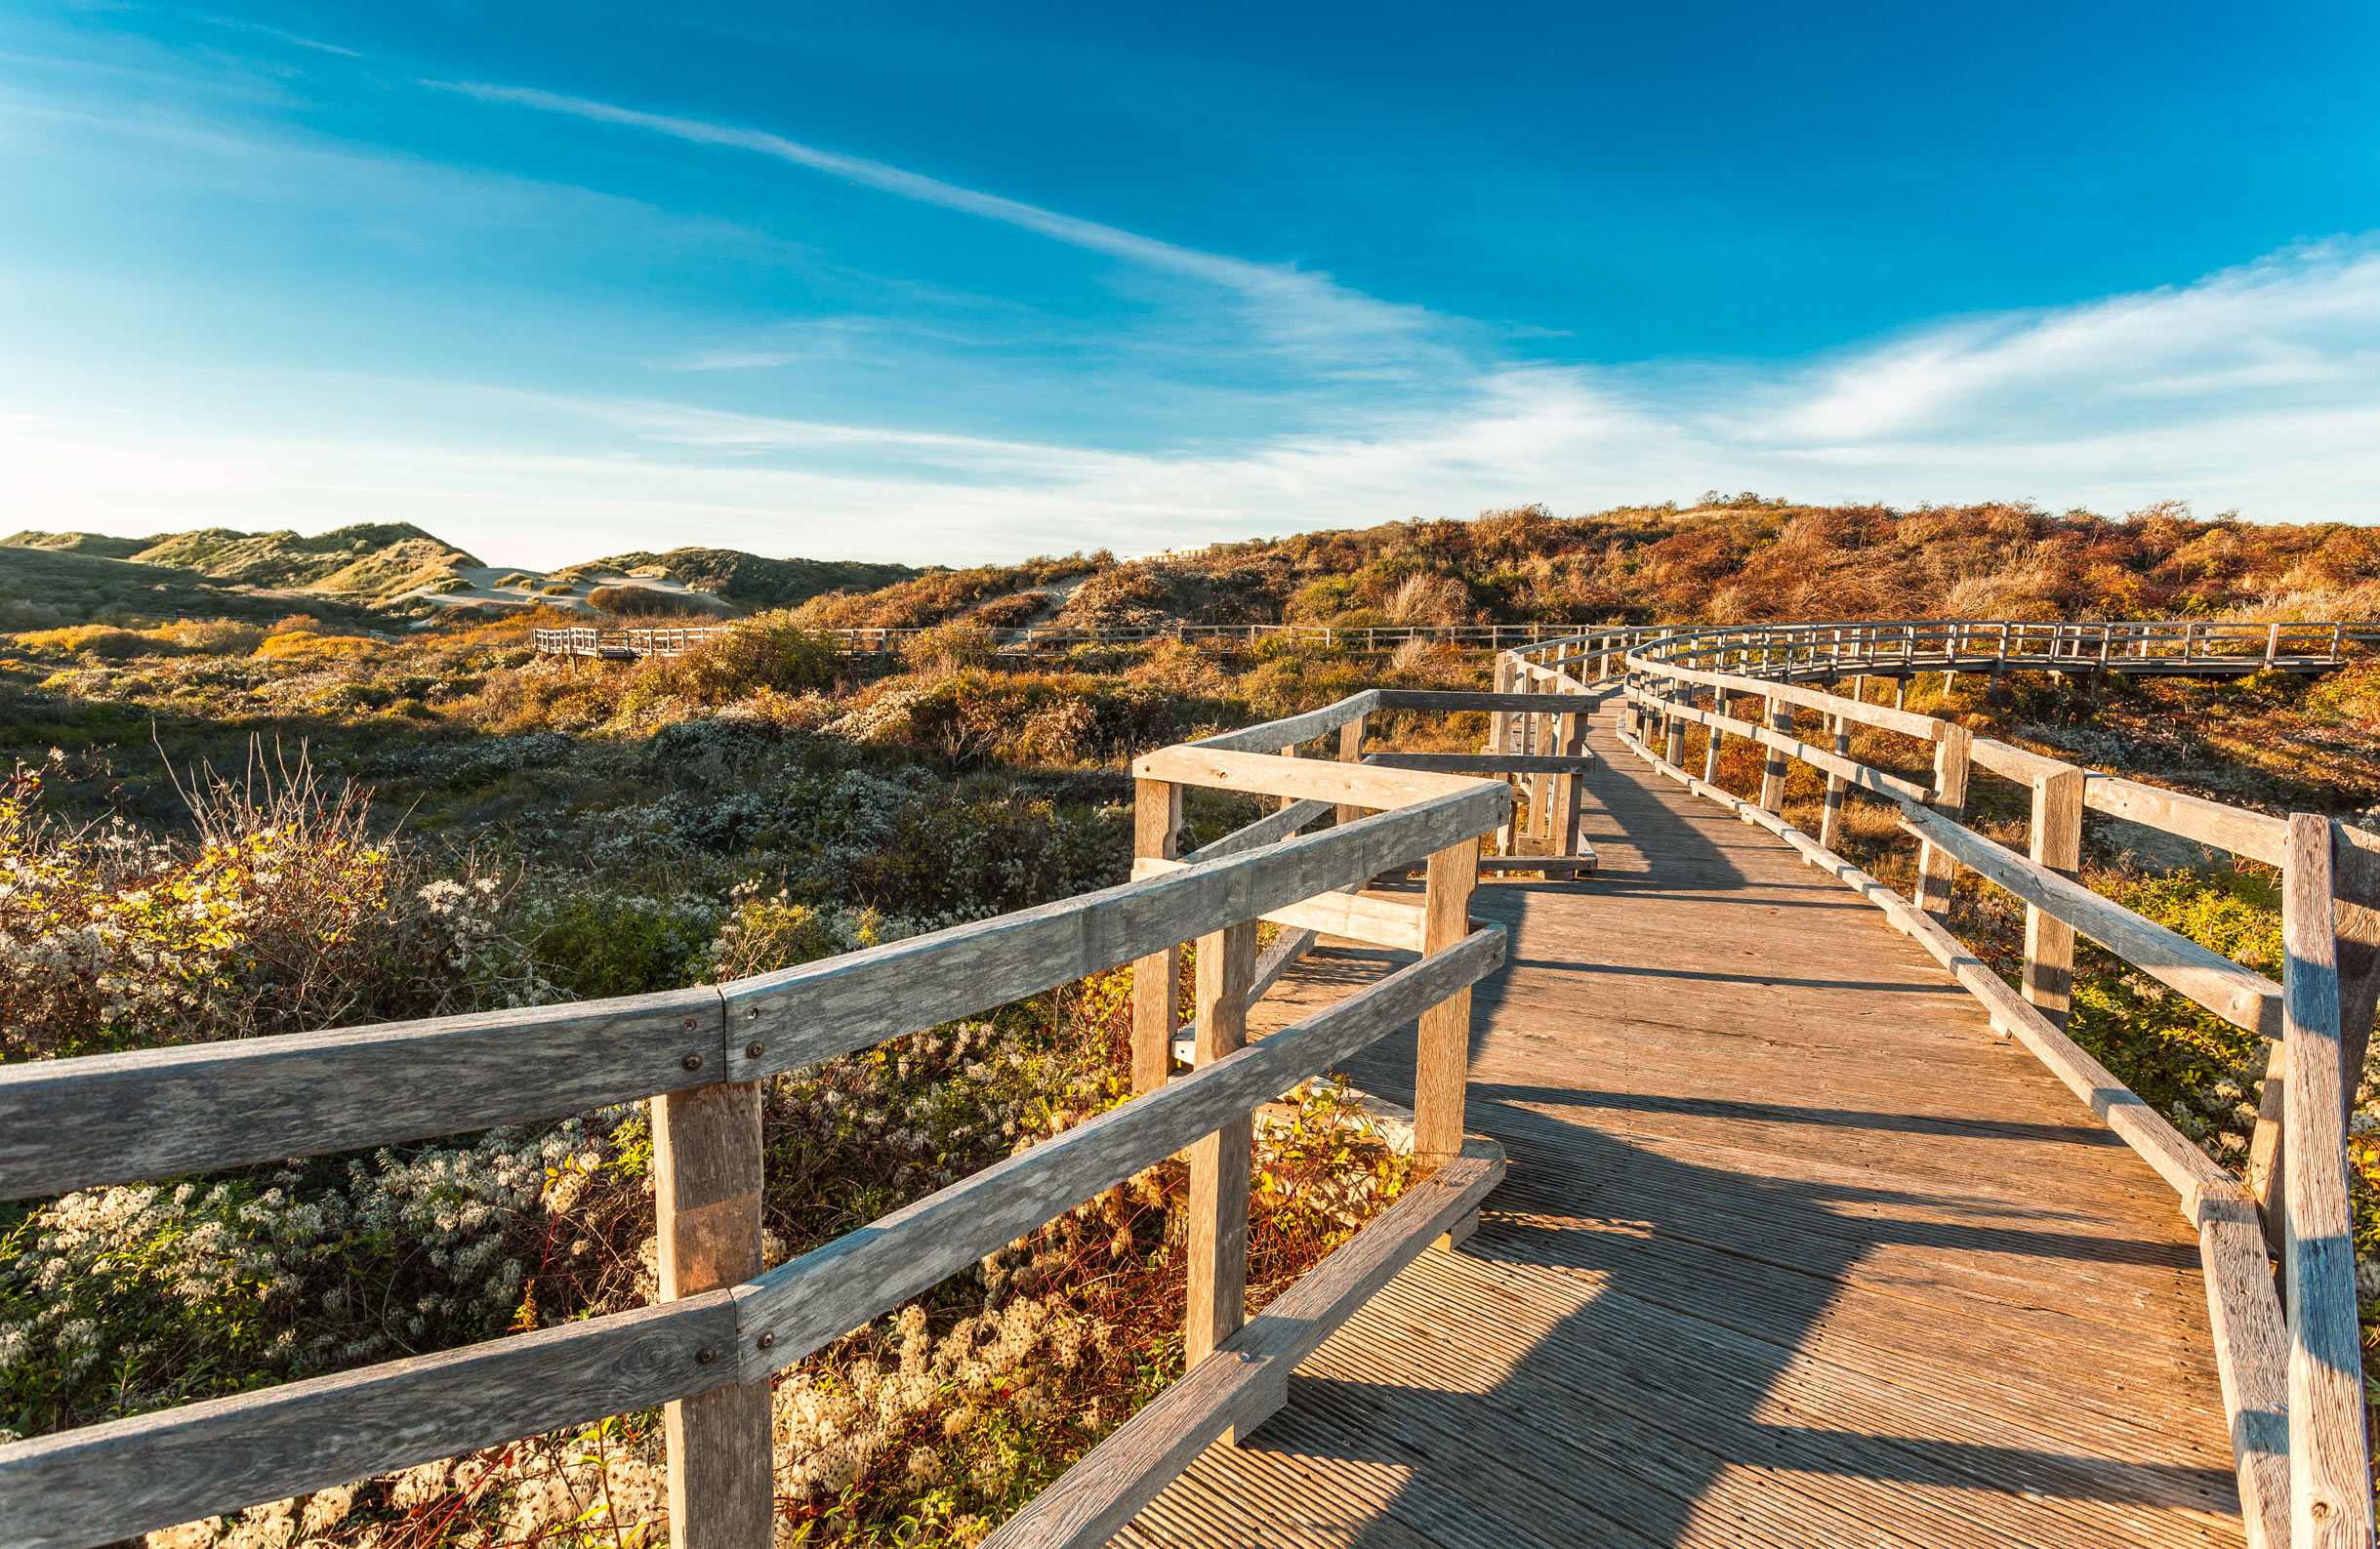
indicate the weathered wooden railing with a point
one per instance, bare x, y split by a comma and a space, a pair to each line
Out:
2293, 1387
708, 1350
590, 640
1887, 649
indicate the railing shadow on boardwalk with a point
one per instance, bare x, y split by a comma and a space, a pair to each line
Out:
1668, 1373
1670, 1394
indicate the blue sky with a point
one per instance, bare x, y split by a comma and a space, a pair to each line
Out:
966, 282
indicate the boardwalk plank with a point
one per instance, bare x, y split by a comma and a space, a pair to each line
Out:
1794, 1250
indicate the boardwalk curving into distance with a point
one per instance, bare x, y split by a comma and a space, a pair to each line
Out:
1792, 1251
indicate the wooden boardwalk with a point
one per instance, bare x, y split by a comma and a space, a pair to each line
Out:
1792, 1253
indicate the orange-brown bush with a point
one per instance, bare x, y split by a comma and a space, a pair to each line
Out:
636, 601
1751, 559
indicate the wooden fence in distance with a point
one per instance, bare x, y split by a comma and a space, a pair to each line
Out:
1890, 648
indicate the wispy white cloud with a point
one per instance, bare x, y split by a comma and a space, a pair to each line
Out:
286, 37
2297, 327
1295, 305
2257, 388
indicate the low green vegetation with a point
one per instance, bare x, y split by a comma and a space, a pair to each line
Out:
226, 829
296, 813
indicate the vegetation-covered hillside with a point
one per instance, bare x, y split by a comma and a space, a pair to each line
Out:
432, 820
749, 581
43, 588
1751, 559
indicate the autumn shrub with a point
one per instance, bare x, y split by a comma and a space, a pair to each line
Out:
99, 639
311, 648
215, 636
291, 909
767, 651
634, 602
948, 648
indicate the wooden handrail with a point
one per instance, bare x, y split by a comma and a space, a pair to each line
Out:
2293, 1391
114, 1117
73, 1122
2330, 1495
129, 1476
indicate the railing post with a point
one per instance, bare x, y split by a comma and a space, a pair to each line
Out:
1710, 750
1935, 871
1829, 825
1442, 1066
1677, 734
2057, 843
1351, 750
1220, 1162
706, 1179
2272, 644
2357, 927
2330, 1498
1773, 773
1568, 788
1500, 724
1537, 731
1157, 824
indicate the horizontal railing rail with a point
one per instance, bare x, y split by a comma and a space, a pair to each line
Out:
710, 1347
2292, 1384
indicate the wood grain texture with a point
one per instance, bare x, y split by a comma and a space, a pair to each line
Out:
1382, 921
707, 1180
1570, 789
2358, 945
1784, 743
1878, 715
2251, 1348
1936, 870
127, 1477
819, 1011
1271, 829
2055, 839
2239, 996
1717, 743
1482, 762
115, 1118
2182, 1165
2025, 768
2356, 874
1838, 785
1351, 750
1445, 699
1441, 1073
1156, 827
1793, 1253
2257, 835
1773, 769
1243, 1383
1216, 1301
97, 1119
2330, 1498
1293, 729
825, 1292
1362, 783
